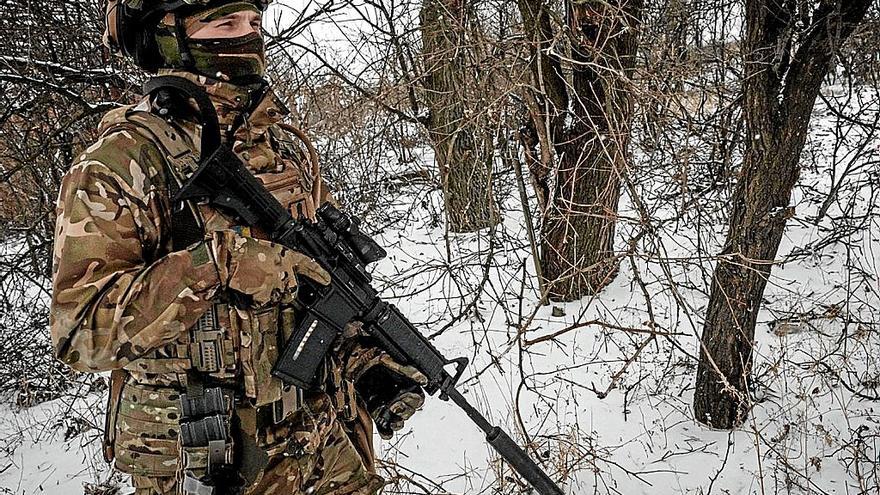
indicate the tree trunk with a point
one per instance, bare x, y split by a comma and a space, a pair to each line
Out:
463, 148
578, 228
587, 119
779, 91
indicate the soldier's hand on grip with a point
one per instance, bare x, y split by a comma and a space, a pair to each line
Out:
261, 269
390, 417
391, 391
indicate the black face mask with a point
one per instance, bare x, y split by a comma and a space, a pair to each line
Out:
240, 60
236, 58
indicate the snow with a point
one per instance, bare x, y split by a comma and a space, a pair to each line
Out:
52, 447
55, 67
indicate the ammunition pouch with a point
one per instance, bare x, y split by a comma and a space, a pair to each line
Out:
206, 412
206, 431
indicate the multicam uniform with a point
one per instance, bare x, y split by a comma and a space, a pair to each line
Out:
124, 299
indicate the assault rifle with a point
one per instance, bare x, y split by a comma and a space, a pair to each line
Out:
334, 240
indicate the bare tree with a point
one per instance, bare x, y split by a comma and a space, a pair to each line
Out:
789, 49
452, 45
581, 111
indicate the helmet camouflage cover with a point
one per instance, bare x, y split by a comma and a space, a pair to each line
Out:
129, 24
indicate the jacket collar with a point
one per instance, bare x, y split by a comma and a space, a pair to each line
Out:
232, 102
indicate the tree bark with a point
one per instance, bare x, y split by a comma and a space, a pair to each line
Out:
780, 91
586, 117
463, 148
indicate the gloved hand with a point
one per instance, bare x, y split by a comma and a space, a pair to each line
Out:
261, 269
391, 391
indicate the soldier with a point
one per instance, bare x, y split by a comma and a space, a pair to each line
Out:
187, 307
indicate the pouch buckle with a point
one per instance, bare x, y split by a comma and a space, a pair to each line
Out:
194, 486
207, 351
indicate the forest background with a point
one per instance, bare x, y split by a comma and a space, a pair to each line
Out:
651, 225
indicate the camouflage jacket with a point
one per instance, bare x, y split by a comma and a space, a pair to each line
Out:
123, 298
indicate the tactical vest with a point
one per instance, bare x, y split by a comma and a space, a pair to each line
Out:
144, 396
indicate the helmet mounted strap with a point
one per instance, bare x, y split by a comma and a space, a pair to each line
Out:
182, 44
207, 112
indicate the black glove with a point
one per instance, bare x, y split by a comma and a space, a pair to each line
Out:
391, 391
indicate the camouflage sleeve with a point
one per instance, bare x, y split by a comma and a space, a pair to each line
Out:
116, 295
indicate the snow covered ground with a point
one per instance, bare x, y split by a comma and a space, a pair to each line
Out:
606, 404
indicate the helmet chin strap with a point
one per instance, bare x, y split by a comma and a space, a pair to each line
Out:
182, 43
207, 113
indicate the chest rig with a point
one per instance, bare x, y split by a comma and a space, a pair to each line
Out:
206, 361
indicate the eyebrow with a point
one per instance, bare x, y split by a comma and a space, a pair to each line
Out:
230, 16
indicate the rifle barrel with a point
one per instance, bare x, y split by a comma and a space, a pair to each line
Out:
509, 450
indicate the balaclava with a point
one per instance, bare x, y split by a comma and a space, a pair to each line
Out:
238, 60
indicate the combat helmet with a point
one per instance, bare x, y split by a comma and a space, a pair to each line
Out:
130, 25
